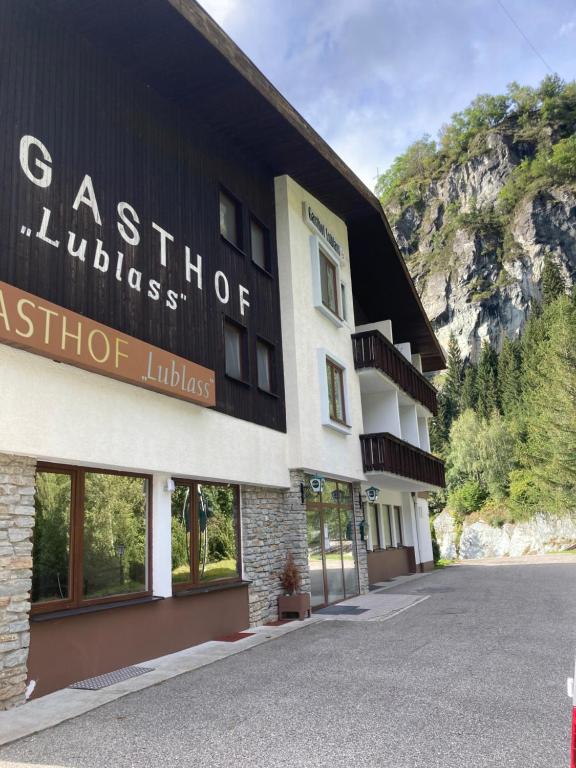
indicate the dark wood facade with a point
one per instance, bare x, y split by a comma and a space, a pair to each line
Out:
373, 350
137, 147
384, 452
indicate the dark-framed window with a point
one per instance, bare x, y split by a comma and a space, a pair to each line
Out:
387, 526
230, 219
329, 283
260, 245
91, 537
336, 393
374, 526
344, 301
265, 366
398, 525
235, 352
205, 537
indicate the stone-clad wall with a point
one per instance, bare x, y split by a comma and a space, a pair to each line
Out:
273, 523
16, 524
362, 554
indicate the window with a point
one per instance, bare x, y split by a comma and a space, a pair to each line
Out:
90, 537
204, 533
230, 219
336, 402
386, 525
264, 359
235, 350
329, 283
374, 527
259, 245
398, 526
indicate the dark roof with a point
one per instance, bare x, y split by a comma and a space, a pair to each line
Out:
177, 48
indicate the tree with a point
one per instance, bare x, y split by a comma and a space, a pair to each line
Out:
487, 382
469, 395
509, 377
552, 282
550, 452
453, 383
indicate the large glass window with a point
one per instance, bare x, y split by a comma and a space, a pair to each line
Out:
230, 219
373, 526
336, 401
90, 537
204, 533
387, 530
329, 283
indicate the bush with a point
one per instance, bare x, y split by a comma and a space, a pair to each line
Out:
467, 498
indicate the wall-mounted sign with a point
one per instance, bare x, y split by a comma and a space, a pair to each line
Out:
317, 225
36, 325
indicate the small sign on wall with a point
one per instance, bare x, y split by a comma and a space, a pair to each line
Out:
37, 325
317, 225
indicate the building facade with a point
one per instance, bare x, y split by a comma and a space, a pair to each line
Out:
196, 377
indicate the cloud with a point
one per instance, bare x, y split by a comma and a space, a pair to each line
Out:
371, 76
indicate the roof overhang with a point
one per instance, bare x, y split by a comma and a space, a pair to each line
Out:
175, 47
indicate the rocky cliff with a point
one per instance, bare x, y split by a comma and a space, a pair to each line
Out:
476, 265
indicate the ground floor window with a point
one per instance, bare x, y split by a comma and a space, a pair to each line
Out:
91, 537
397, 512
205, 538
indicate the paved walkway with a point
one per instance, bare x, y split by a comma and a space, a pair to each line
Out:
473, 675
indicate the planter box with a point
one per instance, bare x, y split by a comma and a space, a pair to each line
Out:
291, 604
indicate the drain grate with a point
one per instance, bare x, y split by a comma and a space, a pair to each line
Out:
342, 610
109, 678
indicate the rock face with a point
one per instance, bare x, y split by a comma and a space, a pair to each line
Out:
478, 539
477, 274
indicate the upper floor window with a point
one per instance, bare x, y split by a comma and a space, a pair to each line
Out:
264, 359
230, 219
235, 350
336, 392
329, 283
260, 245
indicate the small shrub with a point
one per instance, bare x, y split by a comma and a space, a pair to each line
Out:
466, 498
290, 578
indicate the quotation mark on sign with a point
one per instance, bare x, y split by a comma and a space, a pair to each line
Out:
25, 231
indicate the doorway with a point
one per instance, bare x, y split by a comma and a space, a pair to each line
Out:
331, 543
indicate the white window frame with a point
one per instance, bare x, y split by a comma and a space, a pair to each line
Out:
345, 429
315, 247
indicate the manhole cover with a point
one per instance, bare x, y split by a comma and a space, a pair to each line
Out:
342, 610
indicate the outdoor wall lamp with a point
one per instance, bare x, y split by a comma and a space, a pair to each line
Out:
372, 494
170, 485
317, 484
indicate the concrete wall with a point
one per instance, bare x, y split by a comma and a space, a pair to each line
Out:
306, 331
95, 421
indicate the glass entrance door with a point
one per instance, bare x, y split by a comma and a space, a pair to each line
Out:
331, 544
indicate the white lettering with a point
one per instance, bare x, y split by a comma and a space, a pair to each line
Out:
243, 301
220, 278
80, 252
119, 263
86, 195
171, 299
134, 278
42, 233
126, 227
164, 236
153, 290
45, 178
193, 267
101, 258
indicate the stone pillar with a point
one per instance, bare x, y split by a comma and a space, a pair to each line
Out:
273, 524
361, 545
16, 524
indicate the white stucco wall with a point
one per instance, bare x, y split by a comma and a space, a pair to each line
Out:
305, 331
56, 412
381, 412
409, 425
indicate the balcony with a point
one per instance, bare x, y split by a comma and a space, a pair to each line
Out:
373, 350
386, 453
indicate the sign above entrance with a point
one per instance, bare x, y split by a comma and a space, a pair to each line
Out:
36, 325
317, 225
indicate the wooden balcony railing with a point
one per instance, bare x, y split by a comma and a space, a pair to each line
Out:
386, 453
373, 350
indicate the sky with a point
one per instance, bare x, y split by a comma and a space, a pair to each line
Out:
372, 76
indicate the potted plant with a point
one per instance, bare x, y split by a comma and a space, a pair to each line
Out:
292, 601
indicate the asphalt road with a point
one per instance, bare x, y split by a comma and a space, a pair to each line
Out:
473, 676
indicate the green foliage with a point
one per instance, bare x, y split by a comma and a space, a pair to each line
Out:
509, 377
469, 394
467, 498
487, 381
552, 282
